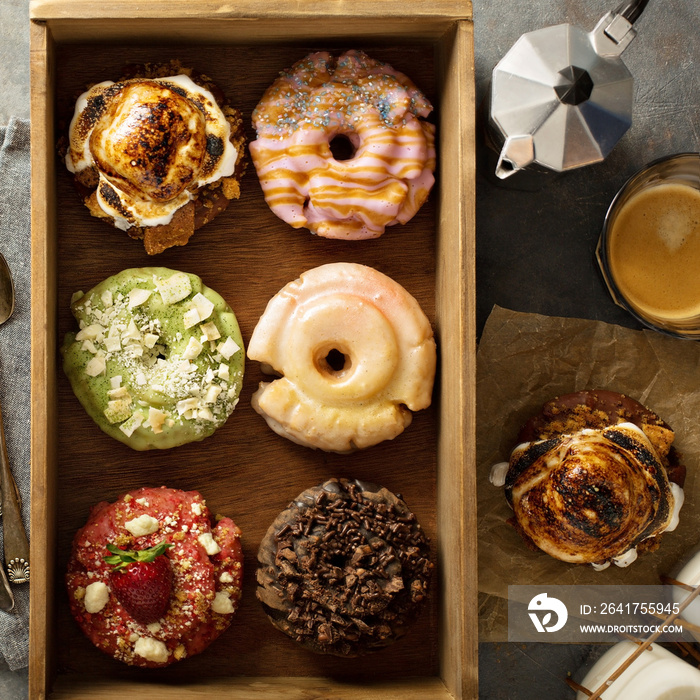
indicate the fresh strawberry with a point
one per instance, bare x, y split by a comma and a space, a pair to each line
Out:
142, 581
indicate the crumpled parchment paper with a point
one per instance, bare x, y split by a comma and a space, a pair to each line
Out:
523, 361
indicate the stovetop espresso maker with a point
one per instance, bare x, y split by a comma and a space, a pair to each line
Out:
561, 98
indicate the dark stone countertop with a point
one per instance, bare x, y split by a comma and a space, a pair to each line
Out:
536, 249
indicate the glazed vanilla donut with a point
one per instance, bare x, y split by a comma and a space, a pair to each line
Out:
158, 360
355, 352
377, 109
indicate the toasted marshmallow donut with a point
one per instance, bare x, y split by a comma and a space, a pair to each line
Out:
356, 353
142, 149
592, 496
377, 109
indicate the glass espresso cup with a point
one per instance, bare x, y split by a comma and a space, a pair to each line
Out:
649, 249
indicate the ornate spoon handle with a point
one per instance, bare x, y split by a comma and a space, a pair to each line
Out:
14, 536
7, 599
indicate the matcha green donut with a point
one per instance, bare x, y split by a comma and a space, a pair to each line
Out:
158, 360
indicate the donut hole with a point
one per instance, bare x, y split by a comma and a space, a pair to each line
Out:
342, 147
336, 360
333, 362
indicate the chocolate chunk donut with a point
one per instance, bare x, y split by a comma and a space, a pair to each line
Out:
344, 569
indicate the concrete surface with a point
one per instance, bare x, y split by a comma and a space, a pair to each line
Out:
14, 59
14, 102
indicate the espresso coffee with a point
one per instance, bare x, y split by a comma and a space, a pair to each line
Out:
653, 251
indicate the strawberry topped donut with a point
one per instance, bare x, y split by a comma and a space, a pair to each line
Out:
323, 103
150, 580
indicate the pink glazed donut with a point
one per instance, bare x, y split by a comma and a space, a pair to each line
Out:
320, 100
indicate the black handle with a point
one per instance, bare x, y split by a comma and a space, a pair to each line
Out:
631, 9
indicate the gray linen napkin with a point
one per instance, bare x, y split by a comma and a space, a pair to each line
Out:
15, 357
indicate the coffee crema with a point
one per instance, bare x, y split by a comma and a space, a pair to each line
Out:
653, 251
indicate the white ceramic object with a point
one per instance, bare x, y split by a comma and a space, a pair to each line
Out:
656, 674
689, 574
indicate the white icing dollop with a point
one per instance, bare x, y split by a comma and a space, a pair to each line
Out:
96, 596
151, 649
209, 544
624, 560
143, 525
678, 500
498, 474
222, 604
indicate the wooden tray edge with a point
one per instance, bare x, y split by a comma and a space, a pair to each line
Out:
459, 668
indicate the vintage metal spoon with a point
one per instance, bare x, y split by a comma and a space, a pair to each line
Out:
15, 538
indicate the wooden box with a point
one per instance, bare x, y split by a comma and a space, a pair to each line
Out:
247, 254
